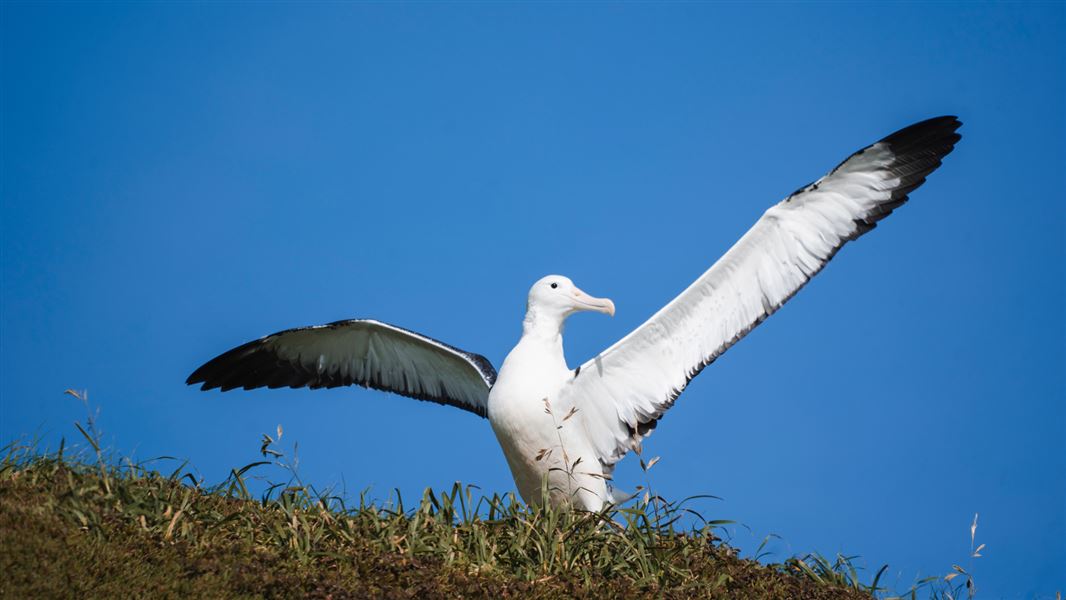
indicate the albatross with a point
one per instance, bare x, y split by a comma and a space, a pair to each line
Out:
563, 430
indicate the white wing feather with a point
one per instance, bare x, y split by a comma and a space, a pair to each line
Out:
622, 392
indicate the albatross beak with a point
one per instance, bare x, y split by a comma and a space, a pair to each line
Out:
586, 302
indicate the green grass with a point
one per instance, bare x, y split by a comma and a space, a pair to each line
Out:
85, 525
71, 528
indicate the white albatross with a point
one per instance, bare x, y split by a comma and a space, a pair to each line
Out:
607, 406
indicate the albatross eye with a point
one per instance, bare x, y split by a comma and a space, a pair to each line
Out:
554, 285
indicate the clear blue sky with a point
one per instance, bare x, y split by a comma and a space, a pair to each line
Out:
178, 178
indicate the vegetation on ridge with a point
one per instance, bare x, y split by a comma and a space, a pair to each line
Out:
72, 526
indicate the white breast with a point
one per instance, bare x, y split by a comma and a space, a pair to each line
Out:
536, 436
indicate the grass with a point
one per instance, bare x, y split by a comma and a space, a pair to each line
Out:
85, 526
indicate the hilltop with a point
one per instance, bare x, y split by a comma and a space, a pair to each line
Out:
75, 528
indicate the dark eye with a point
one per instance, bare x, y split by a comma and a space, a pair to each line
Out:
554, 285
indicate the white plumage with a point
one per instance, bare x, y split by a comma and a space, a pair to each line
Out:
563, 430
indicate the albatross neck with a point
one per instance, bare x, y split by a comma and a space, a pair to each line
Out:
543, 326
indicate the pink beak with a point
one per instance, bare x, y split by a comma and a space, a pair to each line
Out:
586, 302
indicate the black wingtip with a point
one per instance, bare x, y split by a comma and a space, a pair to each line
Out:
919, 148
937, 131
200, 375
208, 374
200, 380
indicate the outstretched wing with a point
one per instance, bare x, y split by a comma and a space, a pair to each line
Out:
355, 352
623, 391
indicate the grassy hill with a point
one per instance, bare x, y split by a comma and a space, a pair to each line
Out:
71, 527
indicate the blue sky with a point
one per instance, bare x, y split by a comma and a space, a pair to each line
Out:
178, 178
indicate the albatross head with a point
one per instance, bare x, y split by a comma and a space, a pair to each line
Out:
556, 297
